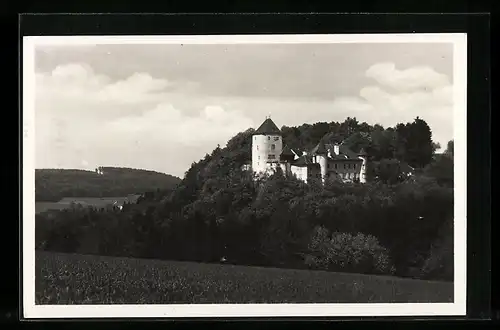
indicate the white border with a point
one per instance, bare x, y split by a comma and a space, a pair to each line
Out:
457, 308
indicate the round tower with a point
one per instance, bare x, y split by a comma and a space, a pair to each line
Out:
267, 145
362, 173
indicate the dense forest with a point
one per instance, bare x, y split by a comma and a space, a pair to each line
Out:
53, 184
393, 224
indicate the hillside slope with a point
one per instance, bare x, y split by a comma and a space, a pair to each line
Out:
86, 279
54, 184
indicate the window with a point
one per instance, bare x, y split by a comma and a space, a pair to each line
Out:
269, 138
273, 146
258, 158
354, 166
335, 165
272, 157
276, 138
328, 165
345, 166
257, 147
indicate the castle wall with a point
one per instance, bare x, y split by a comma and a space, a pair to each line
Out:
285, 167
265, 149
300, 172
347, 170
362, 178
323, 163
307, 174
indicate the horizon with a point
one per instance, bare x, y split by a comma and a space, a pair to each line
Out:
127, 104
93, 168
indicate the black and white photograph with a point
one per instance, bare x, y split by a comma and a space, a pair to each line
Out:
244, 175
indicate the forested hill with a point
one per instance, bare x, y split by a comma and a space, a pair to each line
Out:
54, 184
393, 224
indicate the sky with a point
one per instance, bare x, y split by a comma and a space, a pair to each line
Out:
163, 107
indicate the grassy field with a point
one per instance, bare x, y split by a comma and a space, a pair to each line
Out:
84, 279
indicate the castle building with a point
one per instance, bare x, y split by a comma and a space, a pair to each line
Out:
325, 161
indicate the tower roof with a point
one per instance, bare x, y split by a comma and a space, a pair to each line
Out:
268, 127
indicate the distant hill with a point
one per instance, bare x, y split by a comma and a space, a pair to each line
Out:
53, 184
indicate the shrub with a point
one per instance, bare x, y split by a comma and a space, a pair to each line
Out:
346, 252
439, 265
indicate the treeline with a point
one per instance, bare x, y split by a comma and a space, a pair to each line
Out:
53, 184
411, 142
392, 151
403, 228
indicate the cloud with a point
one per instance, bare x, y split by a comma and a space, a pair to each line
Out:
320, 71
411, 79
402, 95
78, 80
84, 120
166, 124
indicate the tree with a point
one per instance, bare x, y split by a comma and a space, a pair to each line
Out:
442, 167
387, 171
346, 252
415, 143
440, 262
449, 149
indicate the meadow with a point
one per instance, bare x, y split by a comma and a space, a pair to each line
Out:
89, 279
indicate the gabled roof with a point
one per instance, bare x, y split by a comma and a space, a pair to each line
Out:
344, 152
319, 149
304, 161
268, 127
287, 151
348, 152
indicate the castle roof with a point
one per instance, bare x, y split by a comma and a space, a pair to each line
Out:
304, 161
319, 149
268, 127
287, 151
344, 152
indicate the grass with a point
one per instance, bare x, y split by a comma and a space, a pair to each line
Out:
84, 279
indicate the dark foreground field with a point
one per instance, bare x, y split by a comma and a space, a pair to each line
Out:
84, 279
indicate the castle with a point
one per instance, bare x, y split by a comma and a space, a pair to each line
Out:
323, 162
